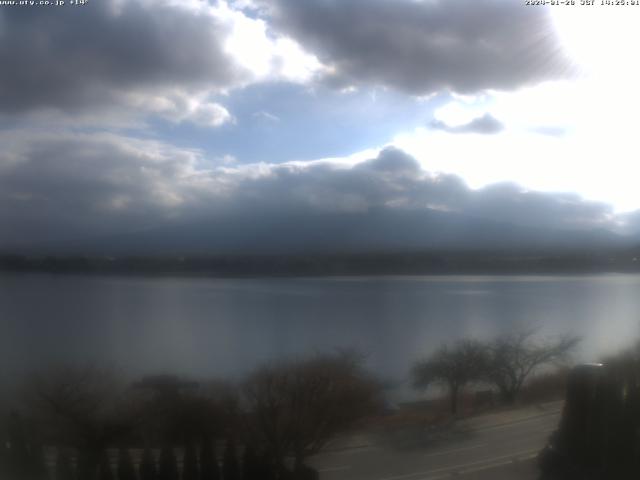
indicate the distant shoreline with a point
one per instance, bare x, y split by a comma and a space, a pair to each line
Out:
328, 265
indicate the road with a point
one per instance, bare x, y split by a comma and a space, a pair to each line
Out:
496, 447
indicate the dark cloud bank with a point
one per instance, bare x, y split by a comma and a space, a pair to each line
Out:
102, 194
102, 55
75, 59
426, 46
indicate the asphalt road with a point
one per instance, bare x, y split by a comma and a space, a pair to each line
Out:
497, 448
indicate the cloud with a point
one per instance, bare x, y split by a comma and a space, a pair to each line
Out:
57, 186
138, 58
61, 187
265, 116
422, 47
508, 202
629, 223
551, 131
88, 56
486, 125
178, 107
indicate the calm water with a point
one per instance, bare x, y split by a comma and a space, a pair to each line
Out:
224, 327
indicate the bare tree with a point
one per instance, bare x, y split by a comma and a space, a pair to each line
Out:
514, 357
453, 367
295, 408
79, 407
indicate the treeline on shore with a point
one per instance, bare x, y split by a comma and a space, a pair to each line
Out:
387, 263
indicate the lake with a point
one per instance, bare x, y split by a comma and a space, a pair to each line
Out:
225, 327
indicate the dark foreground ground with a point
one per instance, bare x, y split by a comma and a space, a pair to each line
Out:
496, 446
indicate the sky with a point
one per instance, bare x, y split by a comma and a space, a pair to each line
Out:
121, 116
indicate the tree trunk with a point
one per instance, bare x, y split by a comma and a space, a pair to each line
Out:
454, 399
508, 396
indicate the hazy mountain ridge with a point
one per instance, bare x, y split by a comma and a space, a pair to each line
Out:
379, 230
380, 241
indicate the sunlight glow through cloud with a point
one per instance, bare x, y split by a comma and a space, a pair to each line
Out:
572, 135
601, 39
253, 47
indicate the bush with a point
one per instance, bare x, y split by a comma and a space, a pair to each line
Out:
126, 470
230, 468
63, 468
168, 465
209, 469
148, 466
190, 463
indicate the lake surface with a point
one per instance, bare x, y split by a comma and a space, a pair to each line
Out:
225, 327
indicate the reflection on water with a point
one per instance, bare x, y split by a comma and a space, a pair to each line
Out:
222, 327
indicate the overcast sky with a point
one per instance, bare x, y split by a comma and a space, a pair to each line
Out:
126, 114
